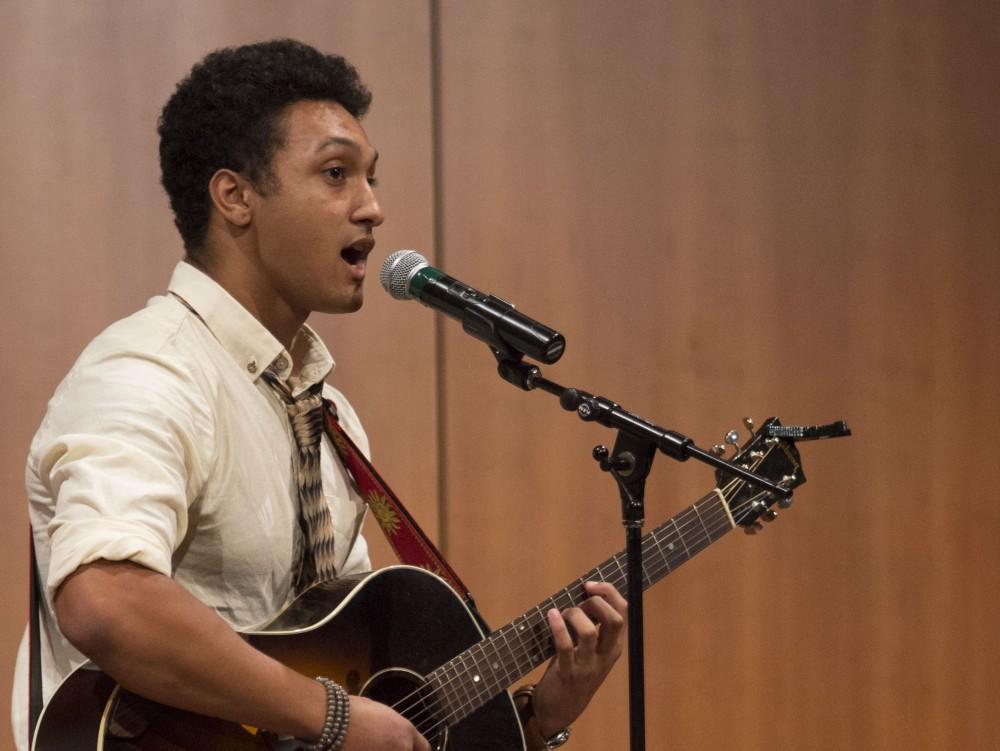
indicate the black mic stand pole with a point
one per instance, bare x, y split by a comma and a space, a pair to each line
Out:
630, 467
635, 447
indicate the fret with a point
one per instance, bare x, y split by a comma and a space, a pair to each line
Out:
622, 575
494, 653
511, 673
662, 555
677, 532
470, 691
483, 677
695, 540
701, 521
444, 691
541, 644
475, 677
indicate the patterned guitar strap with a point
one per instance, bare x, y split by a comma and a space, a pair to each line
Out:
411, 545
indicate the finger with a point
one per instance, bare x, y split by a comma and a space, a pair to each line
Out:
607, 609
561, 639
583, 627
610, 625
601, 612
609, 593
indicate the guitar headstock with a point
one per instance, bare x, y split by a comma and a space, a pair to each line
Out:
767, 455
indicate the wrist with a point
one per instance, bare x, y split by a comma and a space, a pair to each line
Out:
336, 718
314, 704
538, 736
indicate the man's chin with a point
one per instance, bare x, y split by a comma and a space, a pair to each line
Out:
350, 305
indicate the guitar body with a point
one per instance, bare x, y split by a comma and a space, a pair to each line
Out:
376, 635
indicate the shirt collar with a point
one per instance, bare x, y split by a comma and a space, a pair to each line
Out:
248, 342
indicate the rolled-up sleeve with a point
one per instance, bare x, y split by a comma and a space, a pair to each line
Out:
123, 451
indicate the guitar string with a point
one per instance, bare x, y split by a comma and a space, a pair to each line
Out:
485, 694
540, 638
540, 643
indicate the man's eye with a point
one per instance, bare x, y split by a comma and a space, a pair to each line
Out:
337, 173
373, 181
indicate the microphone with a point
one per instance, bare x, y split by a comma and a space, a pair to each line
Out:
406, 275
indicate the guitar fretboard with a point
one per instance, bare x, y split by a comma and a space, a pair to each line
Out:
471, 679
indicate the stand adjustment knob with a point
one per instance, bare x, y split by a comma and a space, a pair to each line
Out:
623, 463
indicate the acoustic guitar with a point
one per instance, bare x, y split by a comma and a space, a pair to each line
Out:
402, 636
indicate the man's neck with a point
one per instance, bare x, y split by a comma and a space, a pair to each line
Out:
259, 299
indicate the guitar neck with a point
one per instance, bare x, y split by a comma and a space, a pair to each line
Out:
474, 677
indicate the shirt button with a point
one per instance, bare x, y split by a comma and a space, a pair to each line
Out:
280, 364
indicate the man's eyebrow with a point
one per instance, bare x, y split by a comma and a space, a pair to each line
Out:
343, 141
338, 141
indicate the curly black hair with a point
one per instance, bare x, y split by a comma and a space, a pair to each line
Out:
227, 114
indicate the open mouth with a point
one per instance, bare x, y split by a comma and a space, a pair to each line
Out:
353, 256
356, 253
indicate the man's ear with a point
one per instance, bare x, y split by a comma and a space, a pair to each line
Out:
231, 195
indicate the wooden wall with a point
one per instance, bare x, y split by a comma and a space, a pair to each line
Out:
728, 208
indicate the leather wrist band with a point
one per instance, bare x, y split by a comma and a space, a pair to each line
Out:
528, 693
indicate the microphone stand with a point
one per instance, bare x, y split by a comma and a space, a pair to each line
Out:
630, 464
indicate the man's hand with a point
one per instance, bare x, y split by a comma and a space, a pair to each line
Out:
376, 726
577, 671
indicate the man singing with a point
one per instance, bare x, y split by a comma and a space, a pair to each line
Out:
165, 482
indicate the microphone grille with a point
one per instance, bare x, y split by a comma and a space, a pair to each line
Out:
398, 269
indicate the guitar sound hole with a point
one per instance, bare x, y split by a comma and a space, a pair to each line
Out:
408, 693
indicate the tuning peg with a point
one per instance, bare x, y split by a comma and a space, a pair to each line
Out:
718, 449
786, 482
732, 438
748, 424
754, 528
769, 515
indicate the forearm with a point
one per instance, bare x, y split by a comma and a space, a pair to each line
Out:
156, 639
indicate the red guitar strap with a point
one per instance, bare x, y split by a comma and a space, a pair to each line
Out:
412, 546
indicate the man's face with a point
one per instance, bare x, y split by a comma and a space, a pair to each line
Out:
314, 231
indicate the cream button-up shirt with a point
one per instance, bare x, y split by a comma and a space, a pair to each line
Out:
164, 446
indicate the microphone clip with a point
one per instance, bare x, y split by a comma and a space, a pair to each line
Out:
513, 369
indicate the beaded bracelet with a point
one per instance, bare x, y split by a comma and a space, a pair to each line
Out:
338, 715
